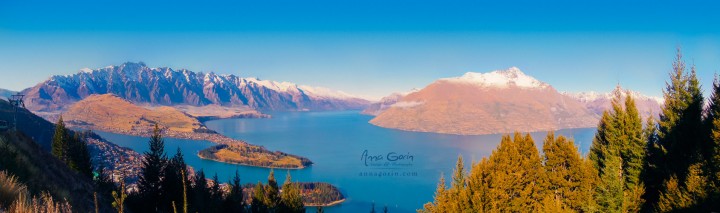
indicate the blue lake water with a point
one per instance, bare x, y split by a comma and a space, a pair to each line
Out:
335, 142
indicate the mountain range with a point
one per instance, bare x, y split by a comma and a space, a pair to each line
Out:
599, 102
500, 101
164, 86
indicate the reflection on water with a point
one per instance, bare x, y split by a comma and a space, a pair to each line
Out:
335, 142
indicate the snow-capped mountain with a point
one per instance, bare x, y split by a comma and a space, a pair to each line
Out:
164, 86
599, 102
386, 102
500, 101
500, 79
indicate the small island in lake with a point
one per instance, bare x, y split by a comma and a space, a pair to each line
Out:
253, 156
320, 194
313, 193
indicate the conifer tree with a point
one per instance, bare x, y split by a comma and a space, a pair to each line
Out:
516, 175
80, 154
687, 197
291, 200
172, 184
620, 138
570, 182
610, 189
680, 137
60, 144
711, 149
104, 183
441, 200
234, 201
458, 192
153, 166
201, 194
633, 152
216, 195
712, 125
477, 186
258, 200
272, 194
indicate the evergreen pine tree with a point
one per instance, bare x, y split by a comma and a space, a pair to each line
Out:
633, 152
60, 147
150, 181
172, 184
458, 192
104, 183
80, 154
258, 200
478, 187
516, 177
201, 194
272, 194
620, 137
610, 189
291, 200
570, 185
216, 195
680, 137
440, 202
687, 197
711, 150
234, 201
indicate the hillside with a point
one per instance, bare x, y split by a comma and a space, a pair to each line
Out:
164, 86
501, 101
110, 112
42, 130
385, 103
25, 154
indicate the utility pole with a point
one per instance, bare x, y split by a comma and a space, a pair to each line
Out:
17, 102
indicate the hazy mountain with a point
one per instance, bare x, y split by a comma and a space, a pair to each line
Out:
385, 103
164, 86
599, 102
4, 94
485, 103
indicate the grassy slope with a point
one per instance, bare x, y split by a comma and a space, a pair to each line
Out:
37, 168
111, 112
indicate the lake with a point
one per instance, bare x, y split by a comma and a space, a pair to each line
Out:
370, 164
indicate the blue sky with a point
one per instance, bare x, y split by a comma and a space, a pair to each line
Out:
370, 48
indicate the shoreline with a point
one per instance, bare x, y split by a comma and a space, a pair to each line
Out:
337, 202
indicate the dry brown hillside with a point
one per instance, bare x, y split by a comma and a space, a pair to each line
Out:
112, 112
476, 104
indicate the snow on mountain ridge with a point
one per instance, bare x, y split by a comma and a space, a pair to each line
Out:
593, 96
512, 76
133, 71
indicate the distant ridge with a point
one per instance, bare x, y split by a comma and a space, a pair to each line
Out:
164, 86
6, 93
598, 102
